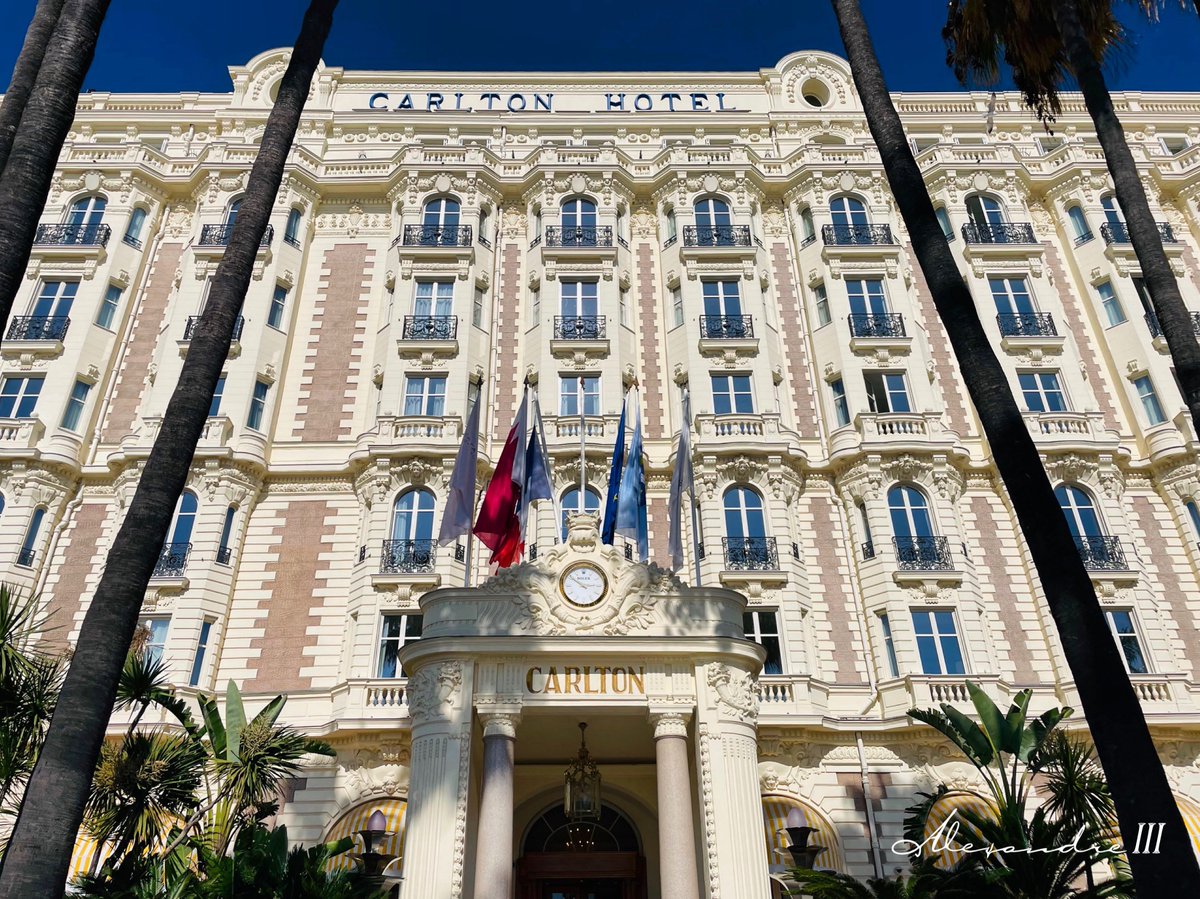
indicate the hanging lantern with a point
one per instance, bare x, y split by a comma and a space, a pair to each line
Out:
581, 797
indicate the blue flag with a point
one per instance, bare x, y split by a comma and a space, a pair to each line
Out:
631, 500
608, 532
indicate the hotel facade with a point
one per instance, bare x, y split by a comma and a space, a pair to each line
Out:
440, 238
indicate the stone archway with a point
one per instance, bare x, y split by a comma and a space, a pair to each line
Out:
561, 859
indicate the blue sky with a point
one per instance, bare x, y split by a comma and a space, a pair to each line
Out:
168, 45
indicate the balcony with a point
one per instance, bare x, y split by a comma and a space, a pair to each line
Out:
750, 553
224, 555
599, 236
877, 324
38, 327
218, 236
1151, 323
1082, 431
857, 235
19, 435
25, 556
998, 233
435, 236
1026, 324
172, 561
580, 327
1118, 233
923, 553
72, 236
189, 329
430, 327
726, 327
718, 236
407, 556
1102, 553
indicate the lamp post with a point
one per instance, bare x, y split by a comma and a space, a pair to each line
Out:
374, 862
803, 855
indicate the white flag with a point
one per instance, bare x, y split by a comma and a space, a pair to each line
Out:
681, 480
460, 500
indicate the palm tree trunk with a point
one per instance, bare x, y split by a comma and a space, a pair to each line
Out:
1135, 774
45, 121
39, 851
1173, 316
45, 17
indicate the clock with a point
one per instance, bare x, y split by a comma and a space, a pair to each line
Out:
583, 584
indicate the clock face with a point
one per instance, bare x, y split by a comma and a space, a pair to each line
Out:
584, 585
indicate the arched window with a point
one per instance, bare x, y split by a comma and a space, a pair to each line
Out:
1112, 215
1, 503
231, 213
439, 222
808, 232
917, 545
1079, 224
868, 540
746, 543
571, 504
32, 533
984, 210
577, 220
185, 518
291, 231
84, 219
943, 218
848, 212
485, 225
672, 226
224, 551
714, 227
412, 545
133, 231
1080, 511
1192, 510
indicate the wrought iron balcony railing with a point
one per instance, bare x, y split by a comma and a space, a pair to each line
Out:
998, 232
38, 327
718, 236
580, 327
25, 556
600, 236
292, 240
1026, 324
189, 330
172, 561
877, 324
218, 235
405, 556
1117, 232
224, 554
750, 554
1156, 328
430, 327
923, 553
132, 241
1102, 553
868, 550
436, 236
857, 235
1084, 238
726, 327
72, 235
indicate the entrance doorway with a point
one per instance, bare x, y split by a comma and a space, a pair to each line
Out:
564, 859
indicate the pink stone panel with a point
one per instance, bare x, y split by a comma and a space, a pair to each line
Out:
945, 366
73, 565
829, 568
1164, 555
508, 322
794, 350
654, 385
996, 536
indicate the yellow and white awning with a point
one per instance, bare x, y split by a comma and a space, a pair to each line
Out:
950, 804
355, 820
1190, 810
775, 814
87, 857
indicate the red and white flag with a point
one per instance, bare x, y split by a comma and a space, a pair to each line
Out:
498, 526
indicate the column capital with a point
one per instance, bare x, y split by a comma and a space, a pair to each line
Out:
669, 724
500, 724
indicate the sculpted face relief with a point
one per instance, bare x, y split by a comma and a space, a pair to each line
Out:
591, 680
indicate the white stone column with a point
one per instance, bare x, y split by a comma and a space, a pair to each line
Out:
494, 840
676, 828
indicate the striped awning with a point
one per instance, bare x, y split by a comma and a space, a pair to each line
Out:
957, 801
87, 856
775, 814
1190, 810
355, 820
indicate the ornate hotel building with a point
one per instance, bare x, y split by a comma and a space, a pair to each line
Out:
441, 237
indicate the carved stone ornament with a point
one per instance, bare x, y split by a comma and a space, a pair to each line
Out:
432, 688
737, 692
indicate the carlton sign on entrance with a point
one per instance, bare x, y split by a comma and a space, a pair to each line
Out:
586, 680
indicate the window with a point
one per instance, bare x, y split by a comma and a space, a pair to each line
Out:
984, 211
258, 405
721, 298
485, 226
156, 640
1145, 391
86, 214
18, 396
808, 233
943, 218
677, 305
412, 516
1125, 633
425, 395
291, 231
1079, 224
378, 397
577, 299
278, 302
108, 307
571, 504
848, 212
1011, 296
865, 522
75, 405
477, 308
867, 297
841, 409
744, 517
1110, 304
185, 518
1190, 505
397, 630
732, 395
1042, 391
672, 226
577, 216
54, 300
30, 543
201, 650
889, 646
223, 549
1112, 215
713, 222
433, 298
1173, 145
214, 408
886, 392
1139, 285
232, 213
439, 220
574, 390
1082, 519
937, 642
821, 300
133, 231
623, 308
535, 307
909, 511
473, 389
763, 629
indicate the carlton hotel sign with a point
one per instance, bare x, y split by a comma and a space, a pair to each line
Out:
610, 101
